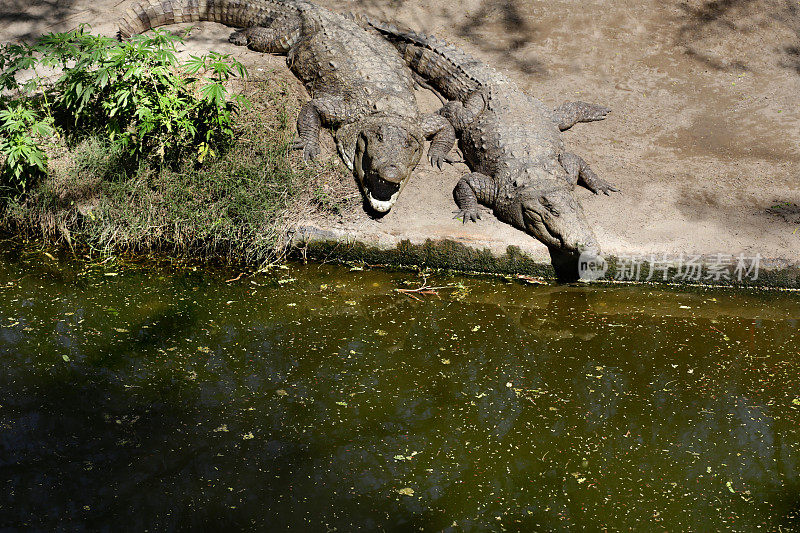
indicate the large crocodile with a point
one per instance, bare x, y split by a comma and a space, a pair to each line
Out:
358, 82
511, 142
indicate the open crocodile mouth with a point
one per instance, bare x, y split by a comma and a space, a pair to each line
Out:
382, 194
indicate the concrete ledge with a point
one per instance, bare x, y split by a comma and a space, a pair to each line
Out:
342, 245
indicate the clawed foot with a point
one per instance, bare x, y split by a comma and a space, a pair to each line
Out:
310, 150
595, 112
467, 214
238, 38
599, 185
437, 159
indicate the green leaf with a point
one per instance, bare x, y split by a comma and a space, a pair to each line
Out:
213, 92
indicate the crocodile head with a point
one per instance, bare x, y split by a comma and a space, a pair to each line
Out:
555, 218
386, 151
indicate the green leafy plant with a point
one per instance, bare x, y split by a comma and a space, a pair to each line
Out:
136, 94
23, 127
21, 132
146, 100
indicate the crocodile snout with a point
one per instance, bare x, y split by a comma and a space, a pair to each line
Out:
573, 234
591, 249
556, 219
390, 173
384, 158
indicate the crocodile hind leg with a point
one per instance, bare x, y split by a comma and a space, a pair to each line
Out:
313, 115
471, 190
442, 135
567, 115
462, 114
277, 38
578, 172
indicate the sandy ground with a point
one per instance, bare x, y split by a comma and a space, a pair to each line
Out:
702, 140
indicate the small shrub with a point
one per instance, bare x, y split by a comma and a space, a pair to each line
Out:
135, 94
143, 99
22, 130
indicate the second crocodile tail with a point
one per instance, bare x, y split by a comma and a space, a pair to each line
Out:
454, 73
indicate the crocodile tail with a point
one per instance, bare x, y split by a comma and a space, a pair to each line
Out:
450, 70
150, 14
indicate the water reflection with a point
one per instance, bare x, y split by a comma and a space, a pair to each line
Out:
321, 398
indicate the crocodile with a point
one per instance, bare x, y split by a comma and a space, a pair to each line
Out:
512, 143
359, 85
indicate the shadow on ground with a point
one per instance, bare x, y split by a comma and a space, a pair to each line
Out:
512, 30
500, 27
707, 27
35, 18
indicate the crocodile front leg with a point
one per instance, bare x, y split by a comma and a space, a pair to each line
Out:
277, 38
472, 189
313, 115
578, 171
442, 135
570, 113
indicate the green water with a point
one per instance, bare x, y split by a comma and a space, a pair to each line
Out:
319, 399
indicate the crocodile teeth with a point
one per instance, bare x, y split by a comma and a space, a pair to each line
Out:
383, 206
